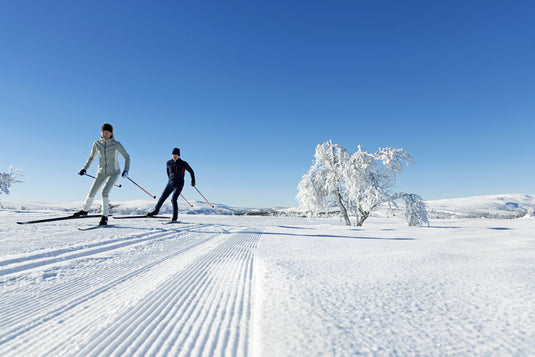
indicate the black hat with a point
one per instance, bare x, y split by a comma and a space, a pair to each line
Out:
176, 151
107, 127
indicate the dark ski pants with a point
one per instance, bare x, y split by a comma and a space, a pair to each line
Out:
175, 190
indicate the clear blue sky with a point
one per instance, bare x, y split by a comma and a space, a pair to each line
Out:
247, 89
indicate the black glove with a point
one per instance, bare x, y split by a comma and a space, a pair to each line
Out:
125, 174
193, 183
82, 172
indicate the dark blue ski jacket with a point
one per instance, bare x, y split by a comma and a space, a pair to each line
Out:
176, 171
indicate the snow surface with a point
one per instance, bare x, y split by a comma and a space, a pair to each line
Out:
223, 285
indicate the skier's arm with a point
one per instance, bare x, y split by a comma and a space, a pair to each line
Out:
123, 152
91, 157
190, 170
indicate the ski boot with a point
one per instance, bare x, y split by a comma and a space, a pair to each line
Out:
103, 221
80, 213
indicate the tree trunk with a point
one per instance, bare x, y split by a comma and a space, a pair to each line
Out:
362, 217
342, 209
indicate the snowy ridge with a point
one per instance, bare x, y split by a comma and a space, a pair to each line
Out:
496, 206
490, 206
134, 207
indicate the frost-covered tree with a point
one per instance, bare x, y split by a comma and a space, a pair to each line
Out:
324, 183
9, 178
360, 183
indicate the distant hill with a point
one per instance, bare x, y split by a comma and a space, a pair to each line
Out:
493, 206
500, 206
121, 207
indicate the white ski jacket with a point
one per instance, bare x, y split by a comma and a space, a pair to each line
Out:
108, 151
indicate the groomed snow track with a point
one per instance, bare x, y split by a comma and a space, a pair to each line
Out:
202, 310
191, 296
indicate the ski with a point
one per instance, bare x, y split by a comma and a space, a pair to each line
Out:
58, 219
145, 216
95, 227
171, 222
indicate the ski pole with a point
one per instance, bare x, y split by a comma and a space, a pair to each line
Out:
186, 200
95, 178
211, 205
141, 188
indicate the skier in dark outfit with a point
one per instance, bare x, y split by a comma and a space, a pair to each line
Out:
176, 168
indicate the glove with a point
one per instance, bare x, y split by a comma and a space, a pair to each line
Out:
125, 174
193, 183
82, 172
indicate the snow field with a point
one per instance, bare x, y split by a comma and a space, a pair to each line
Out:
393, 291
267, 286
190, 275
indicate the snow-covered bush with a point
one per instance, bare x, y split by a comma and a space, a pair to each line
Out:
9, 178
415, 211
358, 183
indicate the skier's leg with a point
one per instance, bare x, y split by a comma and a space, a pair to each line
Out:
166, 192
99, 180
174, 201
106, 194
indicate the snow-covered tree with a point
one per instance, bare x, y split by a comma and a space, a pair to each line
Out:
360, 182
9, 178
324, 182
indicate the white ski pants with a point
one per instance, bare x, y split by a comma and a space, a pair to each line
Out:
108, 182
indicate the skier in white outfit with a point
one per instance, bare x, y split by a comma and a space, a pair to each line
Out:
107, 150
